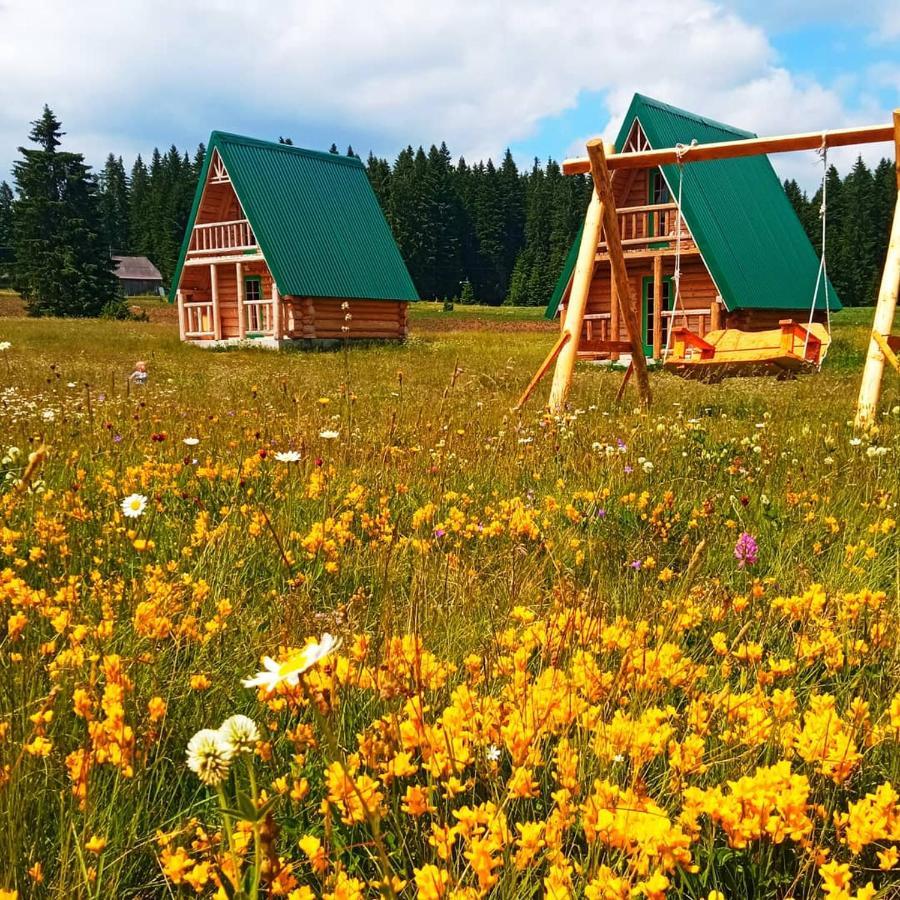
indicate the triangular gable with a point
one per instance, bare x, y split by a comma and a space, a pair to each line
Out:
316, 220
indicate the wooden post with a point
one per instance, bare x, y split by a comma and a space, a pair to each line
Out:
276, 311
613, 314
870, 389
181, 325
242, 312
714, 324
561, 342
657, 307
578, 295
214, 290
597, 154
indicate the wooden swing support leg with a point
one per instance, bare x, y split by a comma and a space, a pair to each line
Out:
561, 342
870, 389
578, 295
597, 153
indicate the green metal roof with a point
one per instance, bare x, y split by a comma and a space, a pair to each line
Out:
748, 233
315, 217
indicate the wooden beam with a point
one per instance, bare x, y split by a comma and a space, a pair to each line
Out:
657, 307
714, 312
870, 388
889, 354
276, 312
597, 154
581, 285
613, 315
181, 325
561, 342
214, 290
242, 312
207, 260
868, 134
632, 255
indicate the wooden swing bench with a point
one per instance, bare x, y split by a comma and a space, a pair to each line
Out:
782, 351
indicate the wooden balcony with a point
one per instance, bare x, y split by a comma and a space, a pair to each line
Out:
217, 238
650, 227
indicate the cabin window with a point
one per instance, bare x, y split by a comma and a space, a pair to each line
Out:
658, 194
252, 297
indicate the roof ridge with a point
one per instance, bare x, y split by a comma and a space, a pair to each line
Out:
678, 111
325, 155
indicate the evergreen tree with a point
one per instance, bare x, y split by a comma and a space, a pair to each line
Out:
379, 172
854, 236
285, 140
6, 232
884, 200
138, 209
114, 204
200, 156
62, 266
351, 153
333, 149
6, 214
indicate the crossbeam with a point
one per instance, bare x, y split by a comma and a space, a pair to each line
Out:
642, 159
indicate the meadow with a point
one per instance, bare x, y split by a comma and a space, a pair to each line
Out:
610, 654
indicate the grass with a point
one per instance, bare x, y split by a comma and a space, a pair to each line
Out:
562, 595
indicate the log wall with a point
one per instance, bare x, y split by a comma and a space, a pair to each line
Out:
323, 318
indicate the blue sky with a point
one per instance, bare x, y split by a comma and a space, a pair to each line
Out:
538, 77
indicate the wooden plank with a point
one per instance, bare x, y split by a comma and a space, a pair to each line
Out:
843, 137
870, 387
597, 153
613, 314
889, 355
581, 285
657, 307
242, 315
181, 325
214, 291
561, 342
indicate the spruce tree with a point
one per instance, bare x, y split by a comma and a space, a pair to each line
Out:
6, 232
114, 204
856, 235
138, 209
884, 200
62, 266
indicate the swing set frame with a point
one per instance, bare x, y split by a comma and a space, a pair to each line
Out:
602, 162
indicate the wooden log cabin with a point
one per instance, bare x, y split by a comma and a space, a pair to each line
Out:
746, 262
286, 245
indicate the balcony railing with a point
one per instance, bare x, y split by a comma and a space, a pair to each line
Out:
218, 237
641, 226
199, 320
259, 317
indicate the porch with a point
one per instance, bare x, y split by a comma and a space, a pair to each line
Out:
223, 300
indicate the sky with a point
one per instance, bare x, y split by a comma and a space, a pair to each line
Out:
537, 76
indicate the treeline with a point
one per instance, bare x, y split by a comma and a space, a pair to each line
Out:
478, 231
858, 221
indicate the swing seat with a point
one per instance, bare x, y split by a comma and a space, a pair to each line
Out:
790, 349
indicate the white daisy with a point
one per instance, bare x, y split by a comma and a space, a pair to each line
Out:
134, 505
493, 753
329, 435
4, 345
209, 756
288, 456
191, 441
241, 733
274, 673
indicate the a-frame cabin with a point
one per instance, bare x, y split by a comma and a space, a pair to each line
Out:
745, 259
287, 245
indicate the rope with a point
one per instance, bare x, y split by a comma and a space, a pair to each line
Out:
681, 151
822, 276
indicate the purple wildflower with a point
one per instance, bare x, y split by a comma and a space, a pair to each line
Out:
628, 470
439, 532
746, 550
636, 565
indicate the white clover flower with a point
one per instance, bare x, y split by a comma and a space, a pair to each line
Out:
329, 435
48, 415
191, 441
289, 671
855, 442
133, 506
240, 733
288, 456
209, 756
4, 345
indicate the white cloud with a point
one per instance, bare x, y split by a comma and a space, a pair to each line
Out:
124, 76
